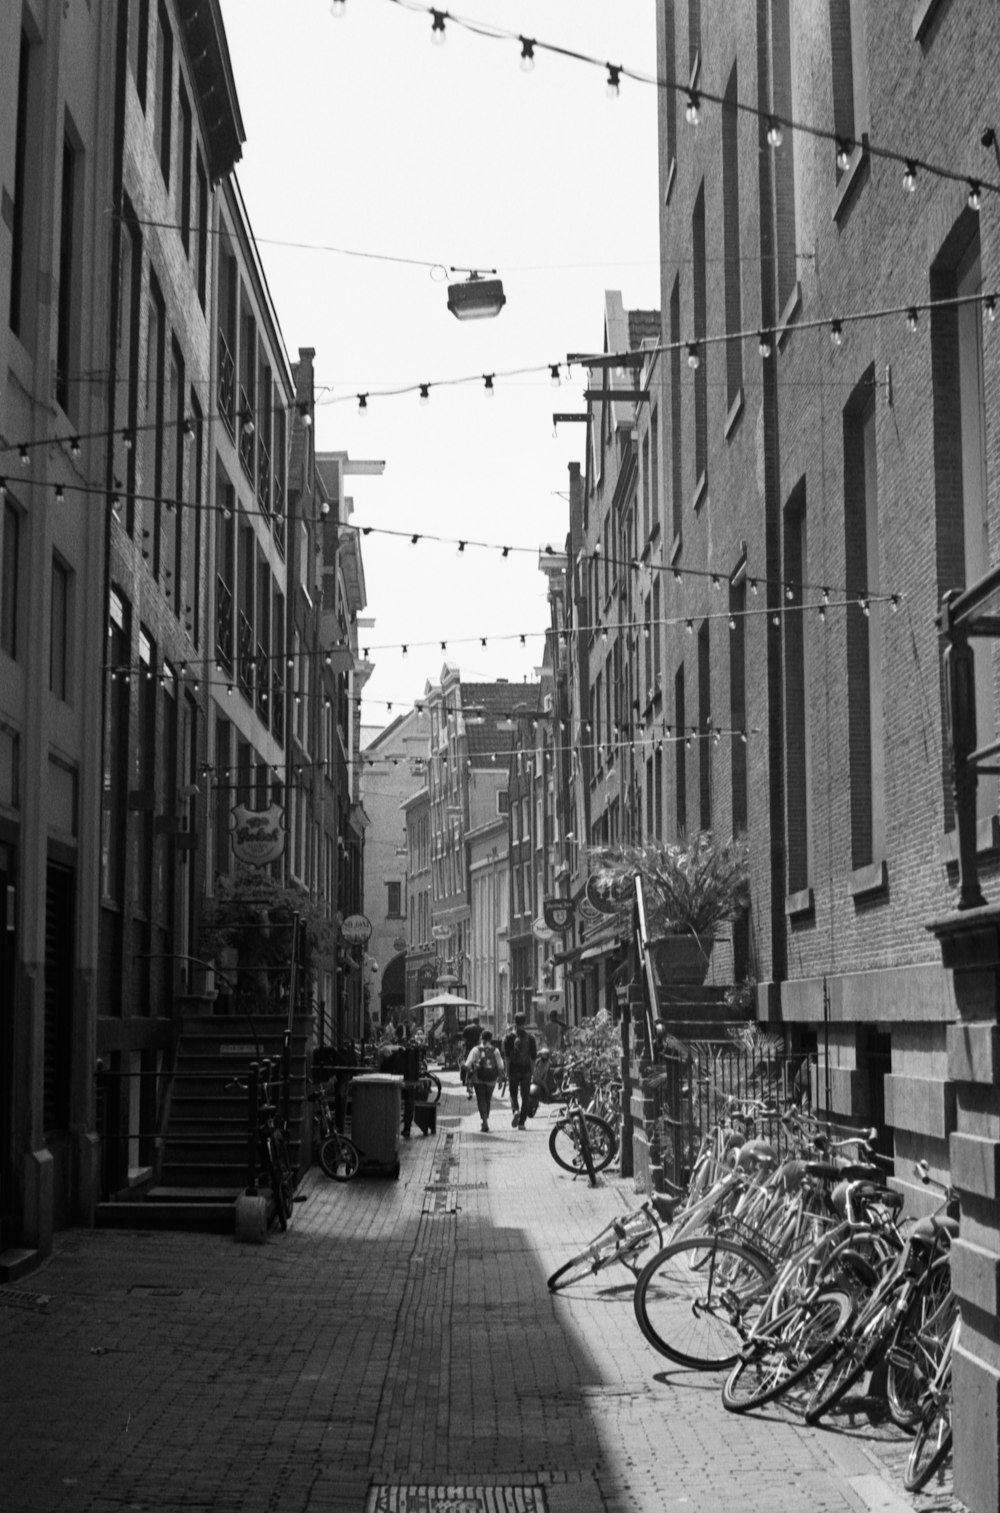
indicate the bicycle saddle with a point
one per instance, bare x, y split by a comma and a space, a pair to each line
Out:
926, 1231
757, 1153
664, 1206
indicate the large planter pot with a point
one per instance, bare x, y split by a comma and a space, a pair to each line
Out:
681, 958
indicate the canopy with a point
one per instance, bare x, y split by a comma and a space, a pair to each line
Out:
448, 1001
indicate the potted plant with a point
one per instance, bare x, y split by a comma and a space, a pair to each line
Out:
690, 887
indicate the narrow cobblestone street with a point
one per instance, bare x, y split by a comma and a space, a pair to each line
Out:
399, 1337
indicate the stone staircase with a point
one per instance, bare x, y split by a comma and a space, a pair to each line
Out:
202, 1166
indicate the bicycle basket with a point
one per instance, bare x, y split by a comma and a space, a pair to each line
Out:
732, 1228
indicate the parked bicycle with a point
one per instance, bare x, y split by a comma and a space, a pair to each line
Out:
338, 1156
580, 1142
623, 1239
273, 1161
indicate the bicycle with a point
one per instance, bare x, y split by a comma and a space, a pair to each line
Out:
912, 1305
620, 1240
271, 1143
581, 1142
338, 1156
932, 1444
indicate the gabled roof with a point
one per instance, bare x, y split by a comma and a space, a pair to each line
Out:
494, 702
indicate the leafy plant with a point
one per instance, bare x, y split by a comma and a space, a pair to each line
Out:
689, 886
595, 1048
250, 914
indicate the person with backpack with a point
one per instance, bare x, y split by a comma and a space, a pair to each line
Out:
483, 1066
519, 1051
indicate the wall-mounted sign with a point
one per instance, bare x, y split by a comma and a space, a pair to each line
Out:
258, 835
541, 931
558, 914
442, 932
356, 930
608, 896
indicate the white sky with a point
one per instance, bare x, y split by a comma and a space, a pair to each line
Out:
362, 135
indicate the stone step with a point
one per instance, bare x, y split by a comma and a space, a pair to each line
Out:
213, 1217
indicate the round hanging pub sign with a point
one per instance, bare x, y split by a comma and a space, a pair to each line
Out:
356, 930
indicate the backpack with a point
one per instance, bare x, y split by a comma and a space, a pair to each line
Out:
522, 1052
486, 1069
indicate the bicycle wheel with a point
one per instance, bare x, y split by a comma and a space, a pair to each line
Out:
785, 1352
917, 1345
339, 1158
859, 1351
688, 1312
280, 1176
931, 1447
434, 1090
565, 1146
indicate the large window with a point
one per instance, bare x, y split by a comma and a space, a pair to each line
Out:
700, 296
864, 662
732, 267
24, 224
849, 63
784, 159
676, 463
164, 91
798, 764
68, 310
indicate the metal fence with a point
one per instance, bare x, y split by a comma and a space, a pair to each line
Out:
694, 1087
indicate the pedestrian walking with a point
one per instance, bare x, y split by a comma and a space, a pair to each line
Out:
482, 1069
470, 1039
555, 1033
519, 1052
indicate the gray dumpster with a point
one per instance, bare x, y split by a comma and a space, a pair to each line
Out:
376, 1111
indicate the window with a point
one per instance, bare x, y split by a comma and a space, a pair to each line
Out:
737, 700
700, 317
68, 314
164, 92
59, 630
960, 462
115, 776
645, 488
849, 63
153, 418
10, 567
669, 96
503, 801
24, 223
654, 466
704, 728
798, 762
394, 900
657, 638
732, 267
184, 178
201, 229
676, 468
680, 754
138, 46
864, 662
783, 161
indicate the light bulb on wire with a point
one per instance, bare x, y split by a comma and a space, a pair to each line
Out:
527, 55
612, 88
438, 35
338, 9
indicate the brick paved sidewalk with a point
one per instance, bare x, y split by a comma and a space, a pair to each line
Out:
399, 1336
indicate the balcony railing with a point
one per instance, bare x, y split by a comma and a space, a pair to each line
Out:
247, 428
227, 385
224, 623
246, 657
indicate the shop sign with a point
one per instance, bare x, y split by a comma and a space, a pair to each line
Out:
258, 835
558, 914
442, 932
356, 930
541, 931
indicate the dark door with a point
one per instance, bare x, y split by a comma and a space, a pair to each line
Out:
58, 1046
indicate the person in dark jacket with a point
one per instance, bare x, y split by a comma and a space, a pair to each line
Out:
470, 1039
519, 1052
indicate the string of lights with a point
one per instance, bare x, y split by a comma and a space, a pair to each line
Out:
767, 345
635, 628
696, 97
116, 498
